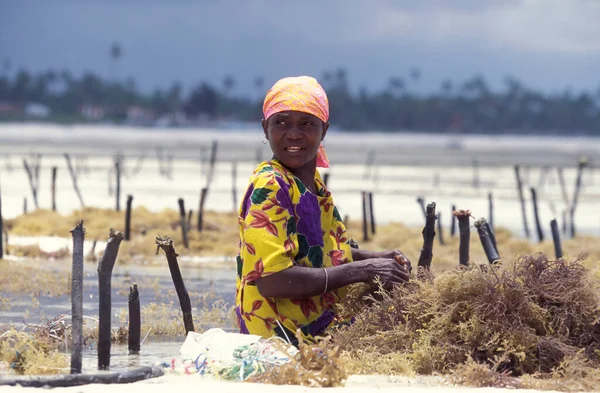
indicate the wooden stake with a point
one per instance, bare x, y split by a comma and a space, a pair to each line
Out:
453, 222
486, 241
365, 217
369, 164
556, 238
213, 160
33, 176
580, 166
536, 215
188, 225
128, 218
135, 321
78, 234
182, 223
522, 199
492, 235
428, 235
203, 193
118, 183
166, 244
74, 179
563, 186
371, 212
465, 235
105, 268
53, 188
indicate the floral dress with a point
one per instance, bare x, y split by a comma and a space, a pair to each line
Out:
283, 224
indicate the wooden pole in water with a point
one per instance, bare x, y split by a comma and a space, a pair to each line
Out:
556, 238
53, 188
74, 179
486, 241
135, 321
453, 222
540, 231
105, 268
118, 183
428, 235
440, 229
234, 185
563, 186
371, 212
166, 244
78, 234
582, 164
365, 218
128, 218
465, 235
213, 160
522, 199
33, 181
182, 223
490, 210
188, 225
203, 193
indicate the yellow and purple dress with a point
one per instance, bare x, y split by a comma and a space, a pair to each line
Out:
283, 224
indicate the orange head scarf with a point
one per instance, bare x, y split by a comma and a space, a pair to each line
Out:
302, 94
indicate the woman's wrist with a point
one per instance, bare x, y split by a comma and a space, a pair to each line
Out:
363, 270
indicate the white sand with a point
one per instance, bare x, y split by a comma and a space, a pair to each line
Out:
194, 384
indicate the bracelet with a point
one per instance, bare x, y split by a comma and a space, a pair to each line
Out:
326, 281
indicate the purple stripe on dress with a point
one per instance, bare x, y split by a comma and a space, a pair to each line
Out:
319, 325
241, 322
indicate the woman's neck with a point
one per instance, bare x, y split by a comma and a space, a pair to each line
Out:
306, 174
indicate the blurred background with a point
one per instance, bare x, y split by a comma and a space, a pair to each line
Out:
435, 98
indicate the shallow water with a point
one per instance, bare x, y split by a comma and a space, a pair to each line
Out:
154, 284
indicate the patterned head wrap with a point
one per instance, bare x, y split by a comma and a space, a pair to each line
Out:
302, 94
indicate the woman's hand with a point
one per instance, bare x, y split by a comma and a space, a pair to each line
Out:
388, 270
397, 255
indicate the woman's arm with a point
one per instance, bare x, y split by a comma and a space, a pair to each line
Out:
359, 255
298, 282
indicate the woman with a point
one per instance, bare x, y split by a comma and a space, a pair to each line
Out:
294, 261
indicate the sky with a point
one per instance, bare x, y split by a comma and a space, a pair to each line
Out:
550, 45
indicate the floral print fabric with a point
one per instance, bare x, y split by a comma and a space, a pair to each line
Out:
282, 224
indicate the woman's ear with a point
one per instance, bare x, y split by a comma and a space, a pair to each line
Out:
264, 126
325, 128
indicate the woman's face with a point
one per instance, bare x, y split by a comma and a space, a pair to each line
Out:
295, 137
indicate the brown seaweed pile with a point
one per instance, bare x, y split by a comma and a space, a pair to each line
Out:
315, 365
530, 317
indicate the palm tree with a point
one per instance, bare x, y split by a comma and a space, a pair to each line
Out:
228, 83
115, 54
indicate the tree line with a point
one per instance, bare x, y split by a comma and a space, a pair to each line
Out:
468, 106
